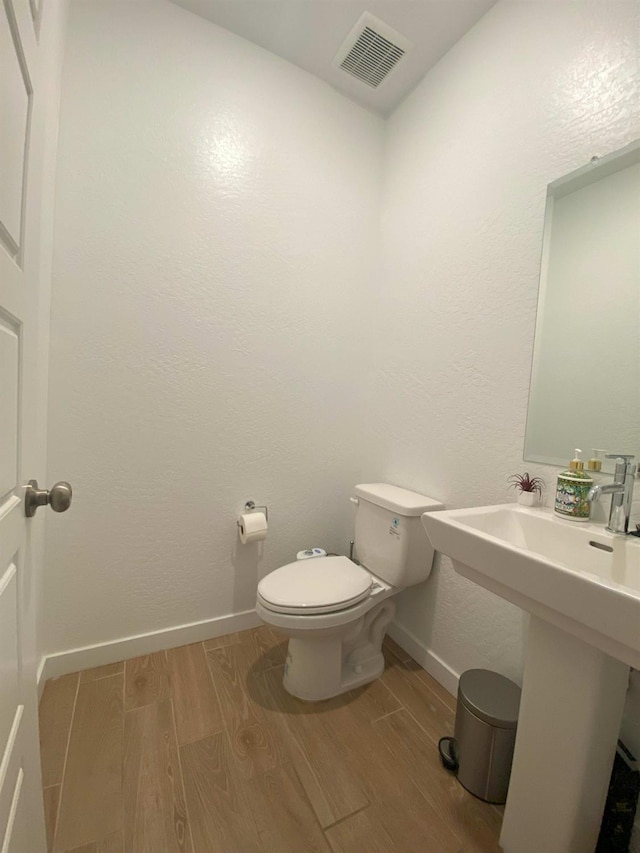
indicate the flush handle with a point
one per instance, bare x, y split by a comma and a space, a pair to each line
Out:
58, 497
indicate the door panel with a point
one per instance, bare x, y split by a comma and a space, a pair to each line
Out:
11, 772
19, 752
9, 696
16, 837
8, 410
23, 126
15, 101
12, 690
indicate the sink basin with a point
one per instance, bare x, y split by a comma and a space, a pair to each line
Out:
581, 586
574, 575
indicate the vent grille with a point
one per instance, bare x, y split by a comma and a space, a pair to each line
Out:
372, 57
371, 51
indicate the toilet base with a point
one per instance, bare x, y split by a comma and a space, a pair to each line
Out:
299, 681
324, 664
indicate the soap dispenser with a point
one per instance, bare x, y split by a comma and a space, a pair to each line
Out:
594, 465
572, 490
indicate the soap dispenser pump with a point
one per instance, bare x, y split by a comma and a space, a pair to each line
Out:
595, 463
572, 490
576, 463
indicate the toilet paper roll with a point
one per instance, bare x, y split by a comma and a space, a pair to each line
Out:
253, 527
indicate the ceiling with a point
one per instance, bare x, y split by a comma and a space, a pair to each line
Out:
310, 32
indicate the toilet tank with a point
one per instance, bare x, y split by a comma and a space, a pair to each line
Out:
389, 537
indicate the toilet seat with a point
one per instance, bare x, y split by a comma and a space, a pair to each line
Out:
326, 585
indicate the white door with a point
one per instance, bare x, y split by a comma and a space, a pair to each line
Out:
22, 412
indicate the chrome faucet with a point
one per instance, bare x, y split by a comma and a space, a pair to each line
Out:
621, 491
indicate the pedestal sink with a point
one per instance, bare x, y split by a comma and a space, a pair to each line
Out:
581, 586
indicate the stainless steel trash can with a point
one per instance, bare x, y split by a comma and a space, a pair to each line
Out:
485, 732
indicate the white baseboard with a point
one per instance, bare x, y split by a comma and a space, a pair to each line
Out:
427, 659
74, 660
87, 657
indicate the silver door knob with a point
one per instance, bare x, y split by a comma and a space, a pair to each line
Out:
58, 498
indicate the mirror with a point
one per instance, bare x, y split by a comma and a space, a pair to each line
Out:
585, 380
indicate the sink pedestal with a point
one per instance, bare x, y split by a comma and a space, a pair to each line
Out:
581, 587
572, 702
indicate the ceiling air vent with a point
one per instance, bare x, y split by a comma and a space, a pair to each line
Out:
371, 50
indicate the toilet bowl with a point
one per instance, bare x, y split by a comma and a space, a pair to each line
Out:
336, 612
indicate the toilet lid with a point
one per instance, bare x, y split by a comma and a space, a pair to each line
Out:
315, 586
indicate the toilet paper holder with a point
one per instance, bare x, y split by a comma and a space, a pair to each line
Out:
250, 506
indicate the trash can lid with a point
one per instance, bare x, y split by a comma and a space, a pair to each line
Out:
491, 697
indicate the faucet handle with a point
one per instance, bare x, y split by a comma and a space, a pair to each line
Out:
625, 469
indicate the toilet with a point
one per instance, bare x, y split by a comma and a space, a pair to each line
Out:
336, 612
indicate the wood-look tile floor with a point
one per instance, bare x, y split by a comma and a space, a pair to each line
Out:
200, 750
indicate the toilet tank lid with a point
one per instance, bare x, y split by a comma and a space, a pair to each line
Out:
401, 501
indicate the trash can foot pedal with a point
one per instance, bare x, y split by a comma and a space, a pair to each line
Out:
447, 750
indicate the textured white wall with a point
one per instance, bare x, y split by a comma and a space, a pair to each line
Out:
531, 93
217, 215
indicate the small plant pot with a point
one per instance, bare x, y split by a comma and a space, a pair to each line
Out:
528, 498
